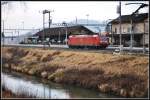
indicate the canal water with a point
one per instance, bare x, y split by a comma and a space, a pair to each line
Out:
41, 88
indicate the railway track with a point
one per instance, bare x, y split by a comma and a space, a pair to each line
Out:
64, 47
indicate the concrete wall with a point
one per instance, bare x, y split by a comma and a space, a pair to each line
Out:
146, 39
126, 28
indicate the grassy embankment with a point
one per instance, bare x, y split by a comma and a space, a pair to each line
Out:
124, 75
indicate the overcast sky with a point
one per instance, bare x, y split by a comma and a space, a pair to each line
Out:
31, 15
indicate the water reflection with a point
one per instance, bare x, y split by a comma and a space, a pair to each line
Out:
35, 87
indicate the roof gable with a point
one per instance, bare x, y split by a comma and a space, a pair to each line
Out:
62, 30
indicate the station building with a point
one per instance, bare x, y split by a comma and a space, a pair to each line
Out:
57, 35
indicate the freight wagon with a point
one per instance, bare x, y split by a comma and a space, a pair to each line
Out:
96, 41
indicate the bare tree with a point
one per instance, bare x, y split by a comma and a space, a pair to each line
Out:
12, 4
4, 2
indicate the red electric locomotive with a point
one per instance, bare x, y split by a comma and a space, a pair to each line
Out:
88, 41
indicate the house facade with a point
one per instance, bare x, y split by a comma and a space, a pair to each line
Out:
136, 25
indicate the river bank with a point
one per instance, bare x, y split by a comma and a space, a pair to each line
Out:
8, 94
120, 75
35, 87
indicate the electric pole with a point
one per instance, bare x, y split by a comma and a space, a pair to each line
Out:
119, 12
44, 12
22, 24
76, 20
50, 20
3, 34
87, 18
120, 28
43, 30
131, 35
18, 37
65, 24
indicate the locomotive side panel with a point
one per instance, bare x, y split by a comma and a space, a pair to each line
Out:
87, 40
84, 40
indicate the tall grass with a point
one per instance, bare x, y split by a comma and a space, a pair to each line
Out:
123, 73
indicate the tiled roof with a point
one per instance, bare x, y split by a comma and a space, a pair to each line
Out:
62, 30
127, 18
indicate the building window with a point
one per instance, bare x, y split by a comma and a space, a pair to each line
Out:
128, 29
115, 30
135, 29
146, 27
123, 29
